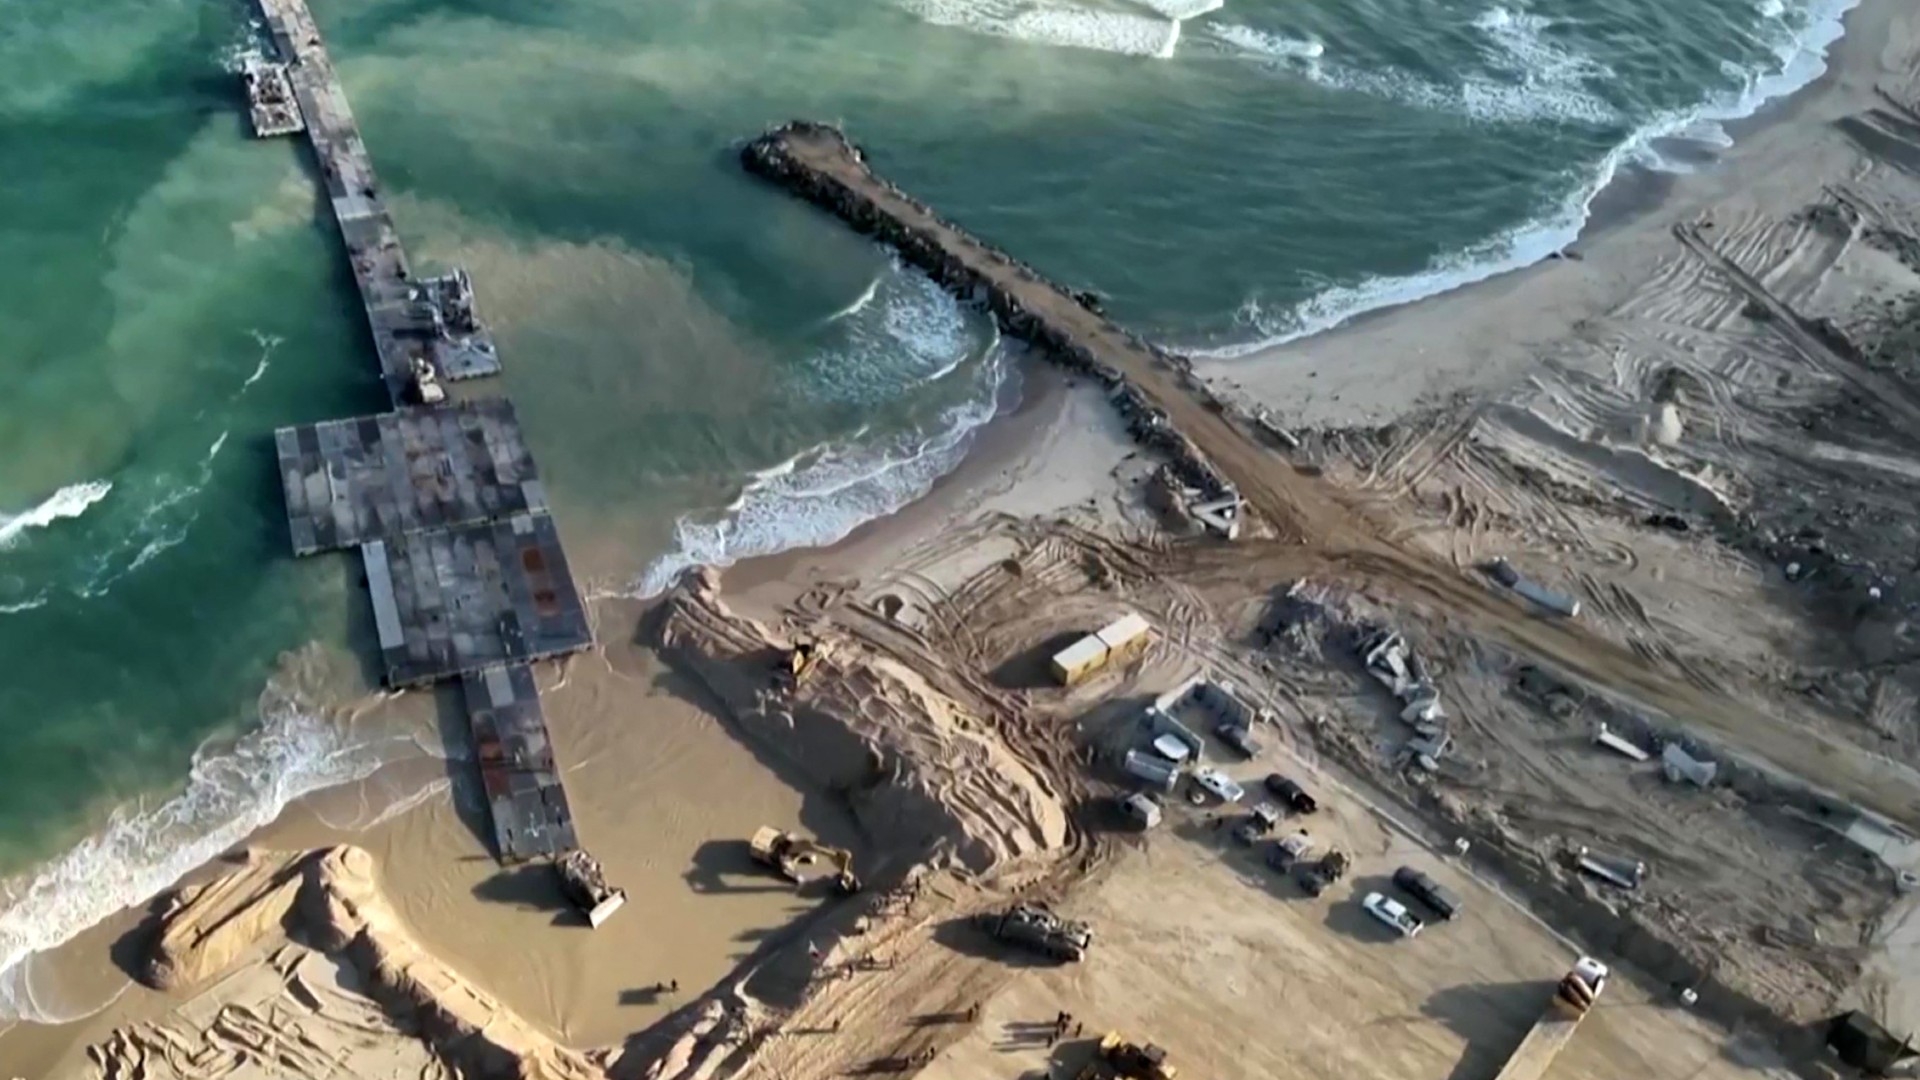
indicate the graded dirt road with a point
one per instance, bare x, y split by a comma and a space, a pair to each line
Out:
824, 168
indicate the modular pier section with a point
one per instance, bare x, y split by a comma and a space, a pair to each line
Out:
463, 564
414, 322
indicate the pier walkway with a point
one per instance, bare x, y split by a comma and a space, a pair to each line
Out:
464, 567
413, 321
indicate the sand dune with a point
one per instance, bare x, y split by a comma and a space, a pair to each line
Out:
927, 780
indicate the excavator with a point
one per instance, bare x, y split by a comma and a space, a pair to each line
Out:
1119, 1059
801, 860
800, 660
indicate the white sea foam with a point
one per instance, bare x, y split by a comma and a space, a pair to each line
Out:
1129, 32
267, 343
231, 790
1262, 43
859, 304
817, 497
14, 607
1543, 81
69, 502
1802, 59
906, 332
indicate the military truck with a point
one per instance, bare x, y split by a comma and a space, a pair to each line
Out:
1314, 877
1035, 927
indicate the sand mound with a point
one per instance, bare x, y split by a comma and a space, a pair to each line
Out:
206, 928
926, 779
332, 900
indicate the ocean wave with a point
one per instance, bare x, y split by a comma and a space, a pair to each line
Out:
1802, 59
231, 791
1130, 33
14, 607
69, 502
267, 343
906, 331
859, 303
1549, 83
818, 496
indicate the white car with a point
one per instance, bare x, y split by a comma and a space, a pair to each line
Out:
1393, 913
1173, 748
1219, 784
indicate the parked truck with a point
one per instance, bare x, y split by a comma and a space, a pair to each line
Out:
1035, 927
1316, 876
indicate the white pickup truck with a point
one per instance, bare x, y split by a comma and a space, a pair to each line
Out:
1219, 784
1393, 913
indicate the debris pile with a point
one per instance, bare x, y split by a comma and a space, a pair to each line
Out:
1393, 662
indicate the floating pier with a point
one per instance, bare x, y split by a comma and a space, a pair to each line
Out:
414, 322
464, 566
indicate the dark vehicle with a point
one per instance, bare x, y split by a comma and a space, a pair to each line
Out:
1240, 738
1432, 895
1315, 877
1035, 927
1291, 795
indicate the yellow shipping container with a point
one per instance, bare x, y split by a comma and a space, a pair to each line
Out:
1126, 638
1073, 664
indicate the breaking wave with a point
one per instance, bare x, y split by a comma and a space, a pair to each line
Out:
69, 502
905, 331
1147, 28
1543, 80
232, 789
1801, 56
820, 495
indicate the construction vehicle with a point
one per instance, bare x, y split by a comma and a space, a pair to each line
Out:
426, 383
1314, 877
1573, 997
800, 860
1035, 927
1119, 1059
584, 884
800, 660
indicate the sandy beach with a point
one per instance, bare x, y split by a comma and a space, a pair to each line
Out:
1715, 340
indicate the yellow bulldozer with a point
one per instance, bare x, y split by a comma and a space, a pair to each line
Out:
800, 661
801, 860
1119, 1059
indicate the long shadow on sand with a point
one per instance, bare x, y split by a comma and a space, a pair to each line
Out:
1491, 1017
727, 866
529, 887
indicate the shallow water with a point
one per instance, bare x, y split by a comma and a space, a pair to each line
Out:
706, 369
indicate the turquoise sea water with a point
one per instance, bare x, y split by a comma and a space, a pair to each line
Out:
706, 369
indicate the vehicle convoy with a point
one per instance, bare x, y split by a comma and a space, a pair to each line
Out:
584, 884
1035, 927
1393, 913
800, 860
1573, 997
1119, 1059
1432, 895
1315, 877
